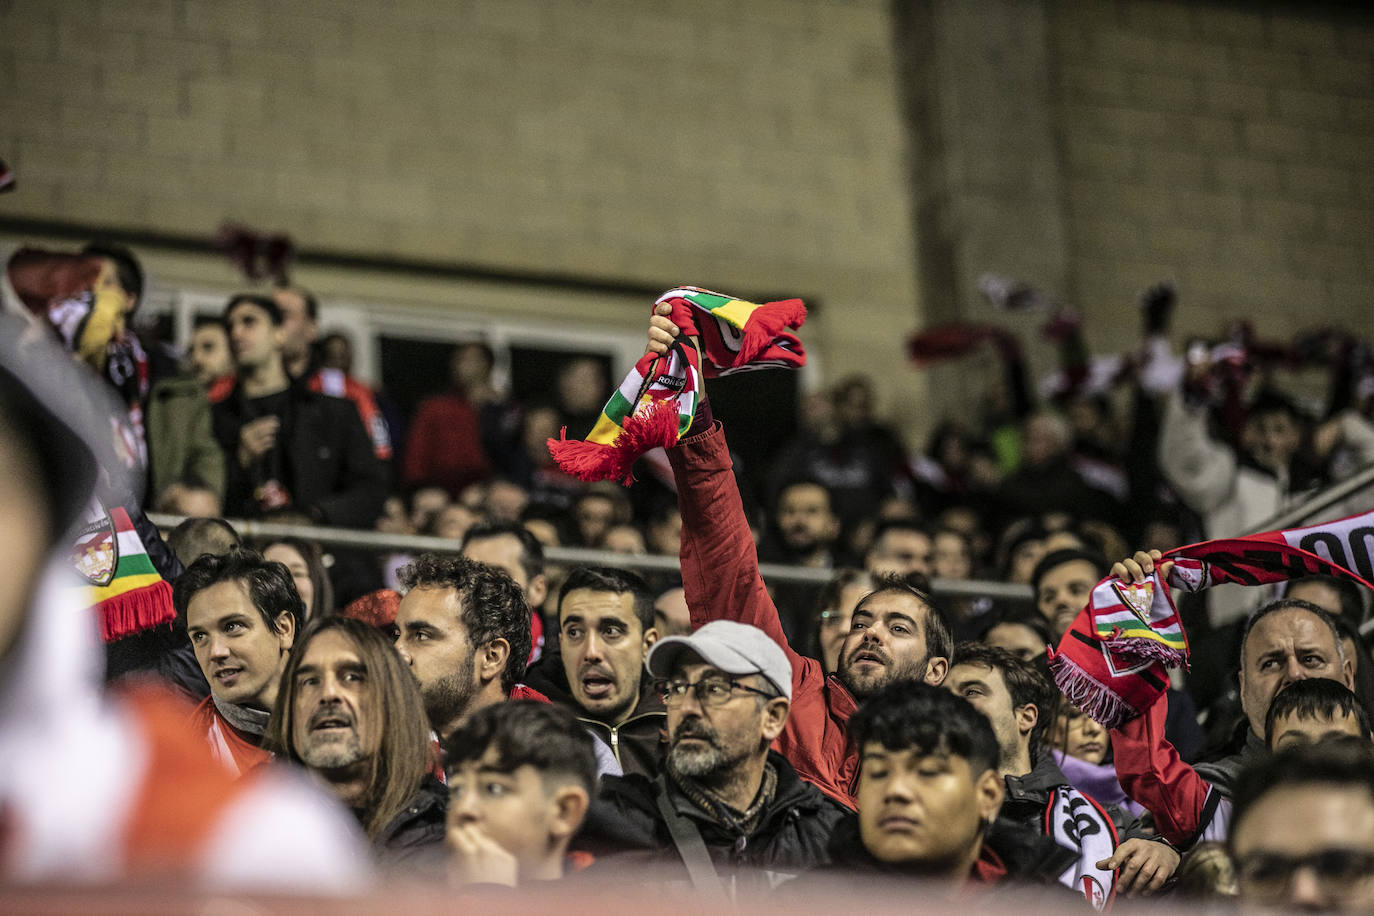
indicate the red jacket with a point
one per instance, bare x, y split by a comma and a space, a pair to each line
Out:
720, 575
444, 448
237, 752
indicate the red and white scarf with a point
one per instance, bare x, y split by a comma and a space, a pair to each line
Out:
1112, 661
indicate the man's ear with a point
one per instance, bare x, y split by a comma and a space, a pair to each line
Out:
1027, 717
650, 637
936, 670
988, 792
492, 658
569, 805
537, 591
286, 630
775, 713
1348, 672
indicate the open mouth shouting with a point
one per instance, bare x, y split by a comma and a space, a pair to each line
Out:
597, 684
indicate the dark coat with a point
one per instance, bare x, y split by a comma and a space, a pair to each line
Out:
1012, 857
625, 828
638, 743
415, 836
332, 472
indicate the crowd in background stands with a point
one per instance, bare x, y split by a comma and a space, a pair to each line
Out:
706, 719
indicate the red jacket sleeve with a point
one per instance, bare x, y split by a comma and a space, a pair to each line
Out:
1152, 773
721, 581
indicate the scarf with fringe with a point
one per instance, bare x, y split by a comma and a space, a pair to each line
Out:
1112, 662
654, 405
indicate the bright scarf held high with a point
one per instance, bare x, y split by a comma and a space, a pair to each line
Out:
654, 405
1112, 660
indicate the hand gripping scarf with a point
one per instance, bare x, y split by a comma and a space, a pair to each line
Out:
1112, 661
654, 405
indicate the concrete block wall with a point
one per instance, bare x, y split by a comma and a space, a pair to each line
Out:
747, 146
1229, 146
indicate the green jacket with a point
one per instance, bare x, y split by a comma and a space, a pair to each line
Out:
180, 443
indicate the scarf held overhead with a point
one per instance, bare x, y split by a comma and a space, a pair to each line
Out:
654, 405
1112, 662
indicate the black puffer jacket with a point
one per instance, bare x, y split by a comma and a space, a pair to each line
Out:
638, 743
415, 836
625, 828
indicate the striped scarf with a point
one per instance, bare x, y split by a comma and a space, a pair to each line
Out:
1112, 661
120, 578
654, 405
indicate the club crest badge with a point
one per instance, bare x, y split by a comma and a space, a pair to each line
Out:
1137, 597
96, 552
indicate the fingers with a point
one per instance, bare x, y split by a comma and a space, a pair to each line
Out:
662, 331
1142, 866
1139, 567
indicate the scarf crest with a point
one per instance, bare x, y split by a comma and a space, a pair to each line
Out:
1112, 661
654, 404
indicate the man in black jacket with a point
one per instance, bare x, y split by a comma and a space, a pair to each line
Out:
287, 448
606, 628
721, 792
1016, 700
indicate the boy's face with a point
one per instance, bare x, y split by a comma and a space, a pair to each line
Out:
1080, 736
1293, 730
515, 809
924, 810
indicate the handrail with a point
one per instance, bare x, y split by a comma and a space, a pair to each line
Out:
380, 542
1318, 502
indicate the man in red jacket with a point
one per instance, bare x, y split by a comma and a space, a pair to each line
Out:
897, 632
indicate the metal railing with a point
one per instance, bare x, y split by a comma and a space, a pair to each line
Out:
1319, 501
379, 542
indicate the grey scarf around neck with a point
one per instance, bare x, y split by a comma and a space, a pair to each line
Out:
243, 718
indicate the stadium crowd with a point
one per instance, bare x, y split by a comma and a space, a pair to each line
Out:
278, 717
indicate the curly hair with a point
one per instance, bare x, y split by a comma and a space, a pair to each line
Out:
493, 605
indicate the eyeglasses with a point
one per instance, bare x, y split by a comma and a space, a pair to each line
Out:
1339, 871
710, 691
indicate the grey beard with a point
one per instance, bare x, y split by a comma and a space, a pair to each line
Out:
697, 763
333, 755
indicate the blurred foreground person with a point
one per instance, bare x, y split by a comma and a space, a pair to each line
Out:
98, 788
351, 714
1302, 831
520, 778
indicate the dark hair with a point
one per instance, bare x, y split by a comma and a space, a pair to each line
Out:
1033, 620
531, 551
1344, 764
610, 579
265, 303
1025, 684
929, 720
898, 524
542, 735
1315, 698
939, 635
493, 605
1058, 558
313, 556
197, 537
404, 756
1350, 593
1271, 400
1291, 604
270, 586
208, 321
806, 482
312, 305
127, 268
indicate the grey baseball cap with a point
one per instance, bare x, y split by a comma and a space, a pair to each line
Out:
735, 648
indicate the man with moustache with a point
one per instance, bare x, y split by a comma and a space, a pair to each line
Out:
897, 631
728, 691
350, 712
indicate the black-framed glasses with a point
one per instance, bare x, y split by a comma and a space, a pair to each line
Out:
1340, 871
710, 691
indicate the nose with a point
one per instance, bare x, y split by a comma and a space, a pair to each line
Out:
219, 646
462, 806
898, 789
593, 644
1294, 671
329, 690
1091, 729
401, 651
1305, 890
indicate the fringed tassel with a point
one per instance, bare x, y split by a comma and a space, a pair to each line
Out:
1140, 647
764, 325
654, 427
1096, 699
135, 611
